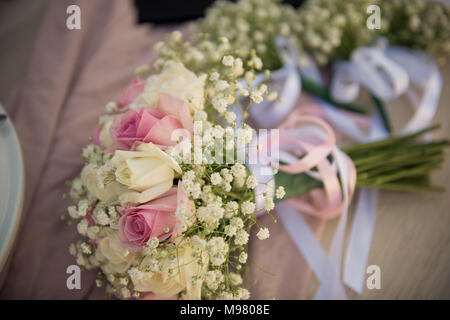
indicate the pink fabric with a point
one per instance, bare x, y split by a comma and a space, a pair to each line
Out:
67, 85
56, 108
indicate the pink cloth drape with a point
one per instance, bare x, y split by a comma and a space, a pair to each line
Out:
72, 74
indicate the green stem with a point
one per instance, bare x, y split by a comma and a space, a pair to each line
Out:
388, 141
395, 163
383, 113
401, 187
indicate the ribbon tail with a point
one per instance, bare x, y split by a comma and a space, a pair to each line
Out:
360, 239
311, 250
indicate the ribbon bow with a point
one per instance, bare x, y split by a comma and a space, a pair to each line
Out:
387, 72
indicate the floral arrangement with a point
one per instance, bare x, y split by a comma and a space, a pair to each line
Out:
249, 25
166, 198
326, 29
416, 24
162, 213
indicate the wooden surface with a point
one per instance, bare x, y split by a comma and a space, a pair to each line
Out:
411, 242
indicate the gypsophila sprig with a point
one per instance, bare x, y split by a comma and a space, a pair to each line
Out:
330, 30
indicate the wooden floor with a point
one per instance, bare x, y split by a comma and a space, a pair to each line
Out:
411, 241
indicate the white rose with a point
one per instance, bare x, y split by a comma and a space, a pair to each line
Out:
176, 80
118, 259
106, 193
166, 285
148, 172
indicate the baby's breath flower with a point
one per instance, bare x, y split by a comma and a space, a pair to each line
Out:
92, 232
272, 96
230, 117
230, 230
86, 248
198, 242
217, 249
72, 249
248, 207
176, 36
237, 222
142, 69
73, 212
214, 76
111, 107
231, 208
252, 182
235, 279
82, 227
153, 243
221, 85
243, 257
216, 179
101, 217
249, 76
241, 237
125, 293
263, 233
83, 206
256, 97
268, 204
225, 295
213, 279
238, 170
243, 294
228, 61
257, 62
200, 115
280, 192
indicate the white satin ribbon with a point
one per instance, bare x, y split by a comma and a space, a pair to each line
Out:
342, 84
327, 268
268, 114
387, 74
327, 289
423, 73
379, 74
363, 225
306, 242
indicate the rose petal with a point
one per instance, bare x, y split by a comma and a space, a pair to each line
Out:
177, 107
162, 131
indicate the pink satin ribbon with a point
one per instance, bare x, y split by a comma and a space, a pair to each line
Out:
314, 150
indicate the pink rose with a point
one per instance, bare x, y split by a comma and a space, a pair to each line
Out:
148, 125
96, 136
130, 93
152, 296
155, 218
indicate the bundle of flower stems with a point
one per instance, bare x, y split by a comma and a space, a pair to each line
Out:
396, 163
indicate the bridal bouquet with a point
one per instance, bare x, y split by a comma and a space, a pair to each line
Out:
164, 198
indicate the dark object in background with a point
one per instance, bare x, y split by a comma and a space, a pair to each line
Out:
172, 11
3, 118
